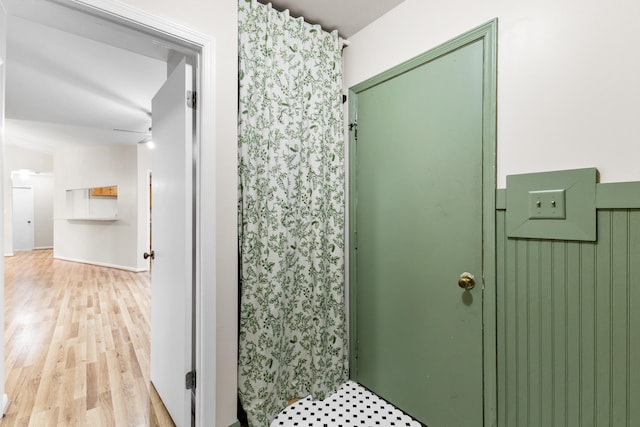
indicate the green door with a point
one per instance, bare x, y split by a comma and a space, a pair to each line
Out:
419, 222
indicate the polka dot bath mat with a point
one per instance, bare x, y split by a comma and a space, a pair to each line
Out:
351, 406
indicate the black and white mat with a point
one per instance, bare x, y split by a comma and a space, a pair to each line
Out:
351, 406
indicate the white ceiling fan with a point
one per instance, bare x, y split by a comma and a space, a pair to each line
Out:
144, 140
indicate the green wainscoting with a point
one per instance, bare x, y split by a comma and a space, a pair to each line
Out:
568, 323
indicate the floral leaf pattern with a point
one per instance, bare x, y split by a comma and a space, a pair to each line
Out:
291, 211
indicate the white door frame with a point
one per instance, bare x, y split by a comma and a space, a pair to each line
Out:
205, 236
4, 400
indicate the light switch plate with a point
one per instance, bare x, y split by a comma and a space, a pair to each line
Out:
572, 218
547, 204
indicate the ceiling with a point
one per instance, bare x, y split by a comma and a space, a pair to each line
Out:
73, 78
346, 16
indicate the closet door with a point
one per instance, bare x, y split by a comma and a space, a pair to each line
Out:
419, 220
23, 226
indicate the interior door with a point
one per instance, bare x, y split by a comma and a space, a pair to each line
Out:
23, 227
419, 223
172, 276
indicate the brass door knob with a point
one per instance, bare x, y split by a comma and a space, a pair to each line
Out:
149, 255
466, 281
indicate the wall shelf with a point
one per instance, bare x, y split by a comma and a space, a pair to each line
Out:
93, 219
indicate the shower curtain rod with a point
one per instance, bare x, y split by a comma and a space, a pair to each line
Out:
345, 42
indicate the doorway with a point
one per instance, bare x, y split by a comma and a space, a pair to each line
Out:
155, 29
422, 232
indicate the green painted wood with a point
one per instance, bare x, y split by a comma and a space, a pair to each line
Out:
602, 413
568, 326
618, 195
560, 361
633, 410
619, 321
419, 337
488, 34
501, 198
503, 303
580, 189
614, 195
547, 330
352, 235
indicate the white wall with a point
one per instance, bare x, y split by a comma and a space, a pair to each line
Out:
568, 85
218, 19
16, 158
110, 243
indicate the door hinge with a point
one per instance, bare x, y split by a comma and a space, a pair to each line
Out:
190, 380
192, 98
354, 127
355, 240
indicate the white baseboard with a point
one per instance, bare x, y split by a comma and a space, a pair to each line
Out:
5, 403
101, 264
39, 248
9, 254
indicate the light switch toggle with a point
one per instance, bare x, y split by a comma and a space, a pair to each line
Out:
547, 204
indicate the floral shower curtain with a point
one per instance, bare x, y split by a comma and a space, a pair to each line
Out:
291, 211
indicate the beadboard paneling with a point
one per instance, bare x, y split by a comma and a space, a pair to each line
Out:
568, 327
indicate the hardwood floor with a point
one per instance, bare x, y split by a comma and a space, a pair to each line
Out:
77, 345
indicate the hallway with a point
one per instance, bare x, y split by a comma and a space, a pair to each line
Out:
77, 345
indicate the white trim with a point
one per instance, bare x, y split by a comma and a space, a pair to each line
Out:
101, 264
205, 256
140, 18
39, 248
5, 398
207, 342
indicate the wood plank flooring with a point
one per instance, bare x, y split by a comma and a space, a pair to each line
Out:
77, 345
